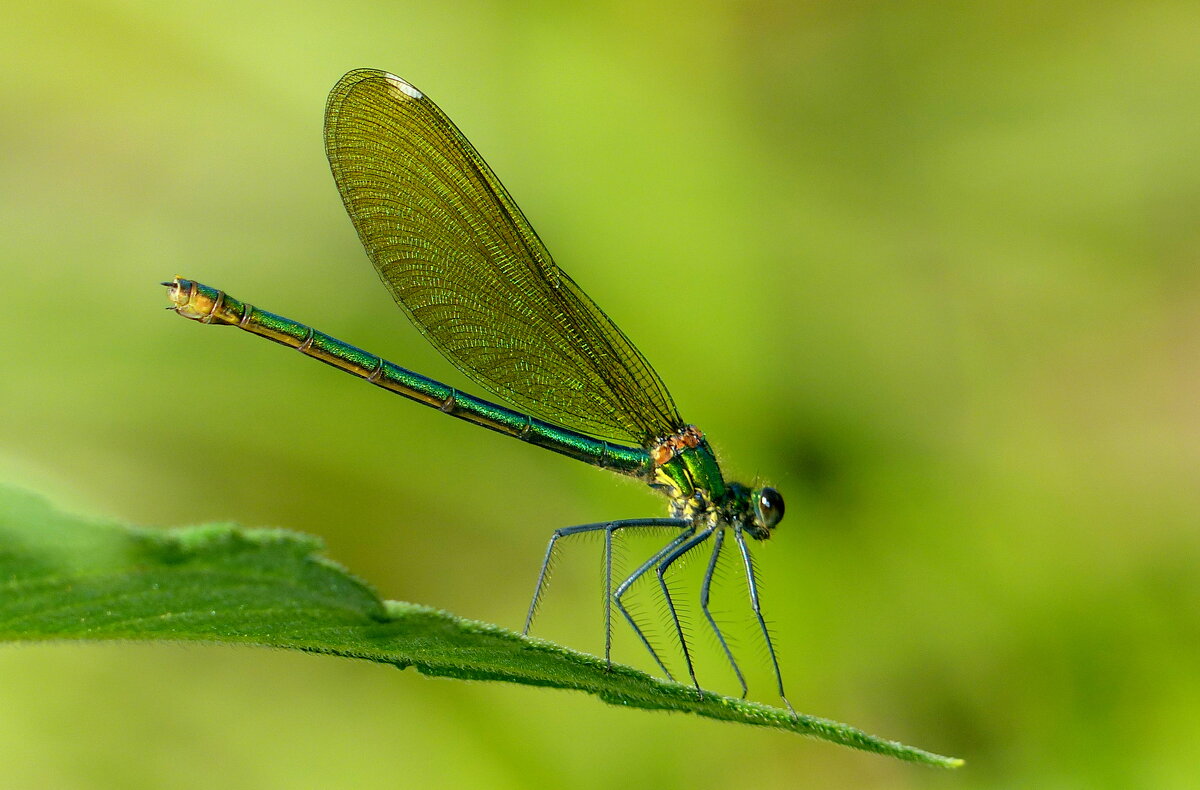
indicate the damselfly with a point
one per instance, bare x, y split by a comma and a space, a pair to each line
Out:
462, 261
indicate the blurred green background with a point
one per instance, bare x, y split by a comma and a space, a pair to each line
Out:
947, 256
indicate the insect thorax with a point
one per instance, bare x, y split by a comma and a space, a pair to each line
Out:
686, 470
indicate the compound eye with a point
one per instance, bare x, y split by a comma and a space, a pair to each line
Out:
768, 504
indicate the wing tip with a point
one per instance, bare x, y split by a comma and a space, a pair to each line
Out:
355, 76
403, 86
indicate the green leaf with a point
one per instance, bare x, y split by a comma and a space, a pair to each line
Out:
63, 577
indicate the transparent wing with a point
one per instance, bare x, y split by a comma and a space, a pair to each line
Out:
463, 262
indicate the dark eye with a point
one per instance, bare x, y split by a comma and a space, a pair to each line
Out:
769, 506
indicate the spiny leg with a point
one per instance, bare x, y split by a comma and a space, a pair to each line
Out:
608, 540
752, 585
541, 581
663, 567
612, 527
609, 528
624, 586
718, 542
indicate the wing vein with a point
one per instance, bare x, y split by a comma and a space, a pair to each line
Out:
465, 265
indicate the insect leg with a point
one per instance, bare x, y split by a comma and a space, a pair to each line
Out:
718, 542
623, 587
752, 585
609, 527
663, 567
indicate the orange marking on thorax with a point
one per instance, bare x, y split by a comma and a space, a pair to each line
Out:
689, 438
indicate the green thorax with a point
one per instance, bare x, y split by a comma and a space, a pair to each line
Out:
692, 478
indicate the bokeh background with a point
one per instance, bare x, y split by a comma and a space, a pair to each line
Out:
930, 268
